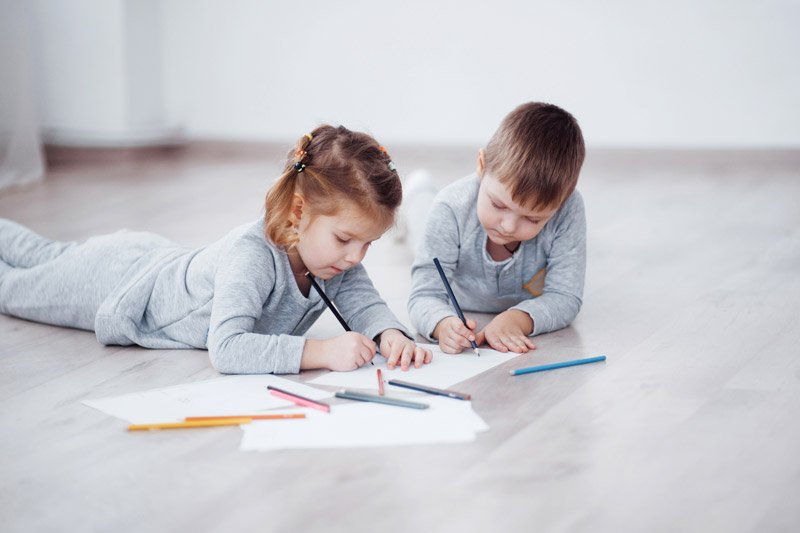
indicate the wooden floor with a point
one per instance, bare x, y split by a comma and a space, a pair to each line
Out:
693, 423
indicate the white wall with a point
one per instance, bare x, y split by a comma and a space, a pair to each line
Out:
636, 73
100, 72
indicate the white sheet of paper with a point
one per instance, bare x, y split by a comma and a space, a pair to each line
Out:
443, 371
368, 424
229, 395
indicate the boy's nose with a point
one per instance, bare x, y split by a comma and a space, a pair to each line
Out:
508, 225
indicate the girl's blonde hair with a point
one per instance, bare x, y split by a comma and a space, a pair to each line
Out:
329, 167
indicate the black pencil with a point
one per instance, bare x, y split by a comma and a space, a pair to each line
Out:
329, 303
454, 301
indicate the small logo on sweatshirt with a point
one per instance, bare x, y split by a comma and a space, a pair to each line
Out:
535, 285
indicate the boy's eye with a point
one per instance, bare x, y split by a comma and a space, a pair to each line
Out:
533, 220
497, 206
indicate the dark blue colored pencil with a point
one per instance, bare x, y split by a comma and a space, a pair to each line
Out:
454, 301
329, 303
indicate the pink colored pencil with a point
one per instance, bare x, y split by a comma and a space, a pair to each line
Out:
299, 400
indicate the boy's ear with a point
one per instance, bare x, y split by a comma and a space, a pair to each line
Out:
298, 203
481, 164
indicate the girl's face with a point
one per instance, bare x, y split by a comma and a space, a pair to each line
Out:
504, 220
329, 245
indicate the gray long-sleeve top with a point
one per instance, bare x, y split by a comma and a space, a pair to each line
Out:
238, 298
544, 277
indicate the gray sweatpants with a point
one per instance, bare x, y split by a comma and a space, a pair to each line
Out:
59, 283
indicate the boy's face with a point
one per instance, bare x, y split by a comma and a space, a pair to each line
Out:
504, 220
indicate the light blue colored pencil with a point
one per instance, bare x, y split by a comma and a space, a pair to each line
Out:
552, 366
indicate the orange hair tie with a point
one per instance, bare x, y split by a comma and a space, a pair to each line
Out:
300, 152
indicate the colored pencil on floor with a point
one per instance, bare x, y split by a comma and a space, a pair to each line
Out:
541, 368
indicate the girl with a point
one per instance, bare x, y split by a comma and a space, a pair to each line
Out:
246, 298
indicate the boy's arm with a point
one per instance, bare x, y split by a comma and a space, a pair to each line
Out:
362, 307
428, 303
242, 283
561, 299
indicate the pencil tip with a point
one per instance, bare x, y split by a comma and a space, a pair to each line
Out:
476, 352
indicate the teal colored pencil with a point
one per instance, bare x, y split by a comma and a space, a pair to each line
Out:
541, 368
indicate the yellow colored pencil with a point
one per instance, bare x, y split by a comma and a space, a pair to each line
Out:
191, 424
254, 417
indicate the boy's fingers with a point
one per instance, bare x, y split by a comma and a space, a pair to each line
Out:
471, 324
530, 343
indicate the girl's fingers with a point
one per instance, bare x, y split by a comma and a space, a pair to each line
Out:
405, 359
480, 338
448, 345
418, 357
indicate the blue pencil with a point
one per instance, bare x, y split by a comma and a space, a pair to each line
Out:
541, 368
454, 301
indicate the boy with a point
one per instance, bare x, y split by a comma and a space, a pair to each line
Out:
511, 238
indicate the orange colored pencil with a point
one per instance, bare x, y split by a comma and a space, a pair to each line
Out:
254, 417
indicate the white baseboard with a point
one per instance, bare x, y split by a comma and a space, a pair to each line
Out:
164, 136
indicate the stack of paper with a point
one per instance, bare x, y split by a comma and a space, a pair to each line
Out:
444, 371
230, 395
359, 425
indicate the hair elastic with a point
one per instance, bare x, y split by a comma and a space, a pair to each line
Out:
299, 166
390, 164
310, 137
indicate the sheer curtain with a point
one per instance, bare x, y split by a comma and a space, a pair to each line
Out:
21, 159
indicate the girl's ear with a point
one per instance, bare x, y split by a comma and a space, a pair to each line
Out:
298, 203
481, 164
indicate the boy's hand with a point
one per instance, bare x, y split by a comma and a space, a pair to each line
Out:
453, 336
346, 352
399, 349
508, 331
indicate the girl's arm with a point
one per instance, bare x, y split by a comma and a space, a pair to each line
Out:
244, 281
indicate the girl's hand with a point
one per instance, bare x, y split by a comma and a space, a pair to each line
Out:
346, 352
453, 336
509, 331
399, 349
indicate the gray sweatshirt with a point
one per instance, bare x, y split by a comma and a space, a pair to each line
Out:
237, 297
544, 277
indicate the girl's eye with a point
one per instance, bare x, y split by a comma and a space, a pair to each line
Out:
343, 241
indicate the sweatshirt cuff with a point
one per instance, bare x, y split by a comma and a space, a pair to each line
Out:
538, 314
288, 354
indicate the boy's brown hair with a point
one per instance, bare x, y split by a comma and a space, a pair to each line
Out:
537, 152
329, 167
